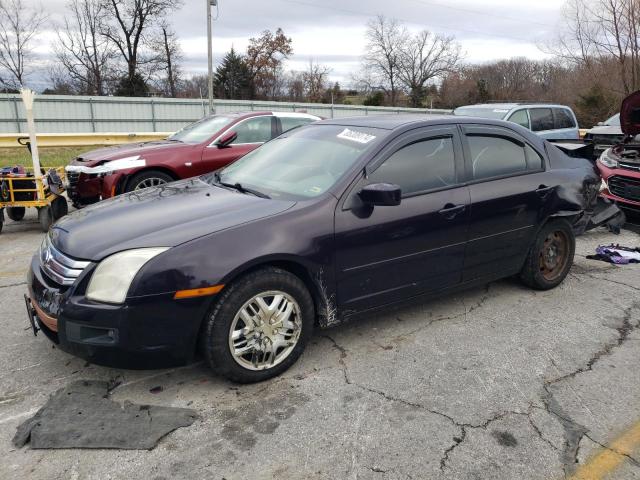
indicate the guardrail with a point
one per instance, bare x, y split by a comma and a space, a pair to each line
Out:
10, 140
83, 114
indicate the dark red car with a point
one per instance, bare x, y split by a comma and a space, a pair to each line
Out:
196, 149
619, 165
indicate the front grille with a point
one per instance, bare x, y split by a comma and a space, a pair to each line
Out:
57, 266
625, 187
72, 179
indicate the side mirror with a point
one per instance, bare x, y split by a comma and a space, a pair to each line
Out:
381, 194
226, 140
600, 124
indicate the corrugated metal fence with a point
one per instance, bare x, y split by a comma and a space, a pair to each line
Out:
78, 114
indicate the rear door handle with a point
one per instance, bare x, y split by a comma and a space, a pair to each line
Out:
451, 211
543, 191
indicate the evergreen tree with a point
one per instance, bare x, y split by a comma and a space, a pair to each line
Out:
233, 79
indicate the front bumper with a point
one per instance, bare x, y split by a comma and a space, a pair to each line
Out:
154, 331
622, 186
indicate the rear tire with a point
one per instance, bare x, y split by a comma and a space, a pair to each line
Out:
550, 257
45, 218
149, 178
284, 332
16, 213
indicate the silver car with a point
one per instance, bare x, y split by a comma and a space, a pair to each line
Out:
547, 120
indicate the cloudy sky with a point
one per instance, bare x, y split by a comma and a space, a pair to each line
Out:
332, 31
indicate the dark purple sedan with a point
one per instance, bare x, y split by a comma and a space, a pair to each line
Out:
327, 222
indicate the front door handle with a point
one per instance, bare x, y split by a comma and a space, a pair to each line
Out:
543, 191
451, 211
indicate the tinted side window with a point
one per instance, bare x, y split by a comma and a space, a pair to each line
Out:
563, 118
520, 117
541, 119
495, 156
254, 130
292, 122
421, 166
534, 160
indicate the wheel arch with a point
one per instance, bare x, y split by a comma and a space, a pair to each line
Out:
324, 309
123, 183
311, 276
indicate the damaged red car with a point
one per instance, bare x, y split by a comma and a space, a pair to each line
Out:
201, 147
326, 223
619, 165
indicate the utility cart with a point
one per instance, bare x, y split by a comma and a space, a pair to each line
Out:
21, 188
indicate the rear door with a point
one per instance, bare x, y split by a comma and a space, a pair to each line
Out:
509, 187
252, 132
385, 254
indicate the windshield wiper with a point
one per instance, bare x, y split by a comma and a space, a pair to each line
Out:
239, 187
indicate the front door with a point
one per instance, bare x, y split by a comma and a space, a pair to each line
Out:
252, 133
385, 254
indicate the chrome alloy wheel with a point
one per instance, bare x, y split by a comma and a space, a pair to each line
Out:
265, 330
150, 182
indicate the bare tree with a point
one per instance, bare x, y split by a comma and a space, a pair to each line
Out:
385, 40
18, 27
315, 79
84, 53
426, 57
128, 30
168, 57
598, 31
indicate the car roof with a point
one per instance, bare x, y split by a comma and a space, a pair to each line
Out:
512, 105
257, 113
390, 121
402, 121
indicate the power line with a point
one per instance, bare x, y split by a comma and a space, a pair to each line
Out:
485, 14
444, 27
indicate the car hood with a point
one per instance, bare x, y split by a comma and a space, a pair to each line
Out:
165, 216
630, 114
605, 130
127, 150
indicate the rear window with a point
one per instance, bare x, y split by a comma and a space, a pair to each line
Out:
289, 123
481, 112
541, 119
563, 119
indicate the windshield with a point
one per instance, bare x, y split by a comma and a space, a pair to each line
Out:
482, 112
613, 121
202, 130
301, 164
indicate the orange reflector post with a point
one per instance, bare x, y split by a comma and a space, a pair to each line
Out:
198, 292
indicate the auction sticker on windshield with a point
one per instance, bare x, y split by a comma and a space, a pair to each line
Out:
354, 136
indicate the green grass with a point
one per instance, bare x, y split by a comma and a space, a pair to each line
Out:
49, 156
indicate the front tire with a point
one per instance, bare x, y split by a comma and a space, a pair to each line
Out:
550, 257
45, 217
150, 178
259, 326
16, 213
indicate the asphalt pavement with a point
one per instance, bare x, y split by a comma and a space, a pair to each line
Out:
497, 382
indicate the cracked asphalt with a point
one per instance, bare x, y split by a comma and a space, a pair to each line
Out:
498, 382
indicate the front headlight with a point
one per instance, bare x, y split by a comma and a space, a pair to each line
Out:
112, 277
607, 160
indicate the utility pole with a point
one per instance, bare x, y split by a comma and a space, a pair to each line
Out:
210, 3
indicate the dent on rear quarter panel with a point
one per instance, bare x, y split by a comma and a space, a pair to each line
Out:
576, 195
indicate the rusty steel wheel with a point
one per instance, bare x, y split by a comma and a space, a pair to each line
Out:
554, 255
550, 256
